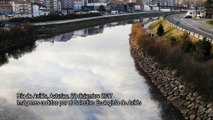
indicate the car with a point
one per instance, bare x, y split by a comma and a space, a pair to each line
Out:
188, 16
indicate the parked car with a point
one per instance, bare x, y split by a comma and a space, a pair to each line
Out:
114, 12
188, 16
200, 14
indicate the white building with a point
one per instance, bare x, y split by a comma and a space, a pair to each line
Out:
21, 8
46, 3
96, 3
77, 4
39, 10
59, 6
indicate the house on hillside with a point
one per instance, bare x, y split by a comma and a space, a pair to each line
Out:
5, 7
21, 8
67, 6
39, 9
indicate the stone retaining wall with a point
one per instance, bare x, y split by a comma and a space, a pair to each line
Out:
172, 87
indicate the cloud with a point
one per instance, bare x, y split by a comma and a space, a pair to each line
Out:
98, 63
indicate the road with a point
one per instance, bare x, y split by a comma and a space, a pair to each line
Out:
194, 25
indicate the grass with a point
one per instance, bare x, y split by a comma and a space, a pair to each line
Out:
170, 31
209, 22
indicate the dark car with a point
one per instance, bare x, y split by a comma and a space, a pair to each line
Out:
188, 16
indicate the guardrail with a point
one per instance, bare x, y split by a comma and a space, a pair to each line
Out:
199, 36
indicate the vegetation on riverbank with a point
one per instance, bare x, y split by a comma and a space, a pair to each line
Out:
193, 60
17, 51
56, 29
53, 17
2, 21
169, 31
209, 22
16, 35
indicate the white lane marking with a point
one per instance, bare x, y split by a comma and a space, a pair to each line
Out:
197, 28
190, 26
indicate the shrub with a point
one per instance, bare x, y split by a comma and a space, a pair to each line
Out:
160, 30
4, 35
185, 36
53, 17
202, 50
198, 75
187, 46
138, 35
173, 41
17, 32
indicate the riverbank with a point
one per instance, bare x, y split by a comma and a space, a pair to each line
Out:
49, 29
171, 84
16, 37
169, 30
55, 28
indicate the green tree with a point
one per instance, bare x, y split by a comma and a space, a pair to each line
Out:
102, 8
209, 8
187, 46
185, 36
203, 49
160, 30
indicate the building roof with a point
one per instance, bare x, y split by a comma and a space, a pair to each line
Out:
5, 0
21, 1
39, 4
5, 5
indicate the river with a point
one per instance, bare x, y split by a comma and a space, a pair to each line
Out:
94, 60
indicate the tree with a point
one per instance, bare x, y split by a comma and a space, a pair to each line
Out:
203, 49
209, 8
160, 30
185, 36
187, 46
102, 8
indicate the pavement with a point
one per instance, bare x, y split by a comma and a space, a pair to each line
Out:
194, 25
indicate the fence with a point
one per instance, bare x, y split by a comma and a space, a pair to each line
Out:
190, 32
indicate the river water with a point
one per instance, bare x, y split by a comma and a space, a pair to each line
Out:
94, 60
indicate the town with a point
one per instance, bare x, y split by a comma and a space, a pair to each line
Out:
35, 8
106, 59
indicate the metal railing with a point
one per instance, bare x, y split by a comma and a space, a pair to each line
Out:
184, 29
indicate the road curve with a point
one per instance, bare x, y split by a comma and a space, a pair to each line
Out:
196, 26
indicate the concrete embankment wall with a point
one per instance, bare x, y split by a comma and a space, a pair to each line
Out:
55, 29
173, 87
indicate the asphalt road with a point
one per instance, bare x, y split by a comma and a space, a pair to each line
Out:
194, 25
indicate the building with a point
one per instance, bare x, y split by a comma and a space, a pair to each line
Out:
59, 6
96, 3
46, 3
67, 6
5, 7
117, 5
21, 8
53, 5
77, 5
39, 9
